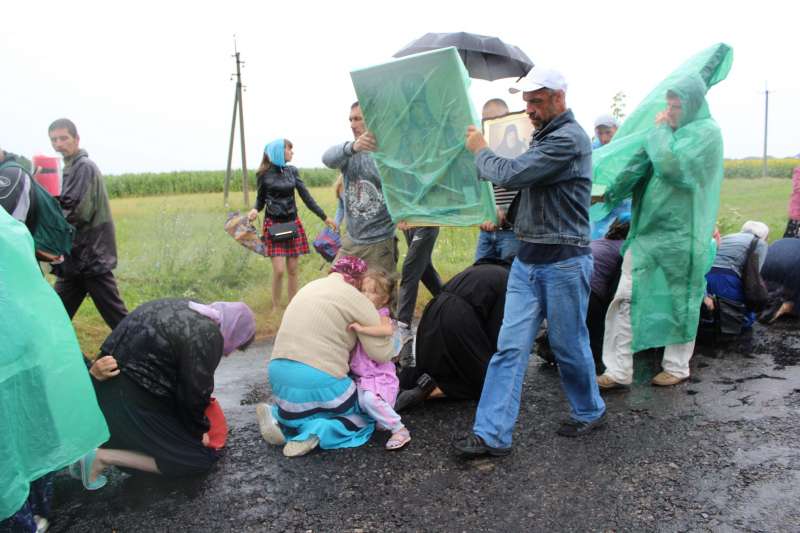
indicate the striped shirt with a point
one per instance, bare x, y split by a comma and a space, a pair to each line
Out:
503, 197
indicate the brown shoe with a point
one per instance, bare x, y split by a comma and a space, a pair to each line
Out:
606, 382
665, 379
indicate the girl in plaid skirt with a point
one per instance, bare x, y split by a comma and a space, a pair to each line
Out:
277, 183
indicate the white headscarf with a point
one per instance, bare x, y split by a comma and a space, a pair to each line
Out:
759, 229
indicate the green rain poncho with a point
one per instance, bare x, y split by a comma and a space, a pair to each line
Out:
49, 416
674, 178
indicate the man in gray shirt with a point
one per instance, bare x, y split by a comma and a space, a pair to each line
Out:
369, 228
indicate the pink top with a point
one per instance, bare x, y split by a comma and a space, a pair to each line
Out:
379, 378
794, 201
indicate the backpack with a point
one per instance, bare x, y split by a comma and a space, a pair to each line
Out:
50, 230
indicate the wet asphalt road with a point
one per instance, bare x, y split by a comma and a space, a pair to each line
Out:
717, 453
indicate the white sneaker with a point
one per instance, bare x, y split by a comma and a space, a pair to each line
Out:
268, 426
297, 448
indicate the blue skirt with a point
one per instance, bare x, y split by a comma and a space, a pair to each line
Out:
310, 402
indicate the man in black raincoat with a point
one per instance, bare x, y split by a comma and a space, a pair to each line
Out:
87, 268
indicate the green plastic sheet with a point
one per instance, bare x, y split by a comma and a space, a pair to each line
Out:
674, 178
49, 415
418, 108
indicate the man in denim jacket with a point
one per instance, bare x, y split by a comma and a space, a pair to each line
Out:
551, 273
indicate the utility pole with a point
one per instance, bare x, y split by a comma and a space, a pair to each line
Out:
766, 121
237, 108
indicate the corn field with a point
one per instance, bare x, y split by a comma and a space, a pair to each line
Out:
197, 181
204, 181
754, 168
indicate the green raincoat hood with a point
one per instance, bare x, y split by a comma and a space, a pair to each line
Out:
692, 93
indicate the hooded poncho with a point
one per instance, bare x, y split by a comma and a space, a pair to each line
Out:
674, 179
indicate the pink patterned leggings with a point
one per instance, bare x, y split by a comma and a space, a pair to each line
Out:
380, 410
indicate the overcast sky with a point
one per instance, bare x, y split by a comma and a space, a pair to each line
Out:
148, 83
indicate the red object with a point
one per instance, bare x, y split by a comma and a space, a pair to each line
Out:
47, 171
218, 432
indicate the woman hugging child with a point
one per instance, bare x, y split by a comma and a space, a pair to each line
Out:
377, 383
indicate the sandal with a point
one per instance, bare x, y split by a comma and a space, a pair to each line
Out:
398, 439
86, 463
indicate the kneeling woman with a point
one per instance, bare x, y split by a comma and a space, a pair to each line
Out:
154, 382
316, 403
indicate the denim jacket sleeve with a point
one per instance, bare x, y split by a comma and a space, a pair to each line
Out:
543, 164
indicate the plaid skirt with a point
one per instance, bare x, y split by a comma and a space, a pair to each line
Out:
287, 248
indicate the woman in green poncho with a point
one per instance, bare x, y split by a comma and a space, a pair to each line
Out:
675, 184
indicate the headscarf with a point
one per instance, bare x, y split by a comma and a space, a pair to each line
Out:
235, 319
759, 229
275, 152
352, 268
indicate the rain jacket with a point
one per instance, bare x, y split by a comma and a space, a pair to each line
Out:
49, 416
85, 204
171, 352
675, 183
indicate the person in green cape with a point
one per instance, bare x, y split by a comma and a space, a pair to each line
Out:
49, 417
674, 184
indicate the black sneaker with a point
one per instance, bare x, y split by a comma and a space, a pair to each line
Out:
411, 397
574, 428
473, 446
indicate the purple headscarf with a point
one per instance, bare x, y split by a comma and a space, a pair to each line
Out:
352, 268
236, 322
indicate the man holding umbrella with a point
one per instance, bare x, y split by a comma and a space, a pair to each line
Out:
550, 275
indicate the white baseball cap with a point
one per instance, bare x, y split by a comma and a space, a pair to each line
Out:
539, 78
606, 120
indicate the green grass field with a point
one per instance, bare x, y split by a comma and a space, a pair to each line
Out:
175, 246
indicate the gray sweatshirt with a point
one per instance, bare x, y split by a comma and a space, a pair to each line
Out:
732, 252
366, 216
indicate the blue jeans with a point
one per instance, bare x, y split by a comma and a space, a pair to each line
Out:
560, 293
500, 244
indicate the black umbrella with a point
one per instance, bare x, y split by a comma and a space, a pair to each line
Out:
486, 58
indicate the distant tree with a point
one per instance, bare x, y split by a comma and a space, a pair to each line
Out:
618, 105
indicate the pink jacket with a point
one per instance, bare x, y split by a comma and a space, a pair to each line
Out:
794, 201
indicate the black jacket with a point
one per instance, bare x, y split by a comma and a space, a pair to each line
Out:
276, 190
84, 201
171, 352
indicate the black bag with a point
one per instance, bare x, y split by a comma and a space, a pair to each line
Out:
282, 231
730, 315
724, 323
756, 295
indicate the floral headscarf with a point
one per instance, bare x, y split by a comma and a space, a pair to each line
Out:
351, 268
